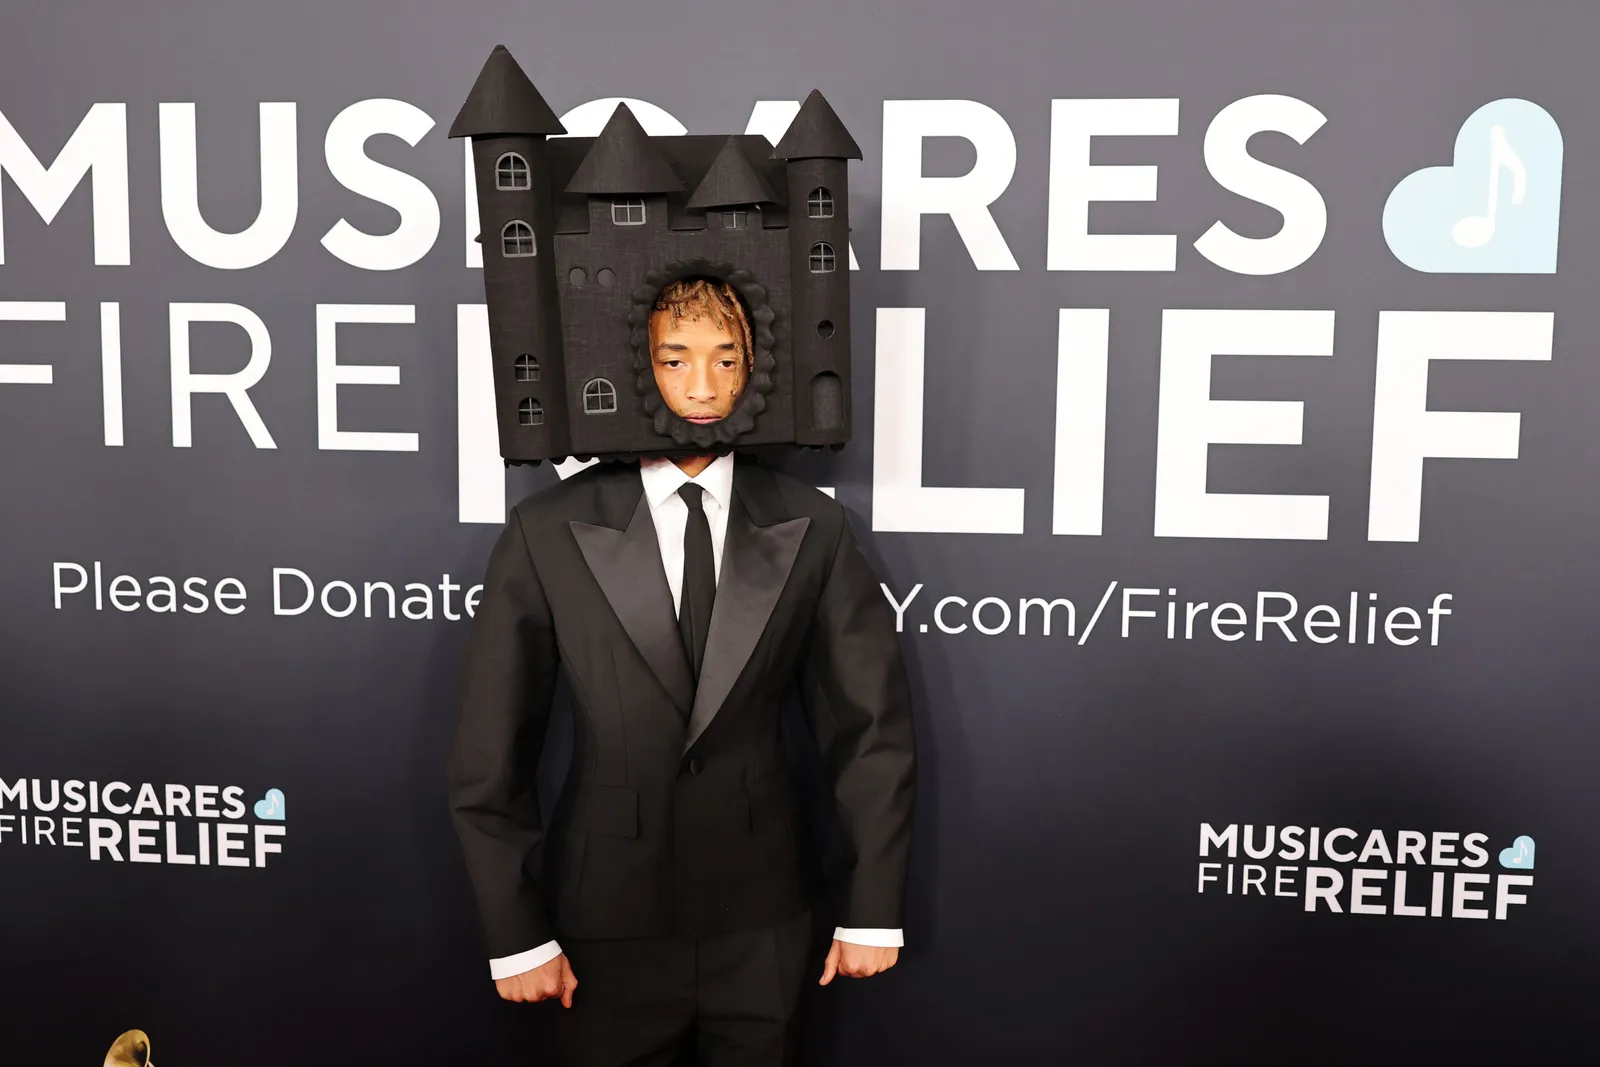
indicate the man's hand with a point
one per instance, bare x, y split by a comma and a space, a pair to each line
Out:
554, 979
857, 961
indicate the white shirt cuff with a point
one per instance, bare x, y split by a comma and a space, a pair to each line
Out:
511, 966
871, 938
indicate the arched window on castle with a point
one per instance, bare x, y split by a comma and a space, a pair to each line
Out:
627, 211
530, 412
516, 240
527, 369
821, 259
511, 173
599, 397
819, 204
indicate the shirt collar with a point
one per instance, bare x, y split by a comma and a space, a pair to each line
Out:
662, 477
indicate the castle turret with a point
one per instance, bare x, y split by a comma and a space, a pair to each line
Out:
625, 177
508, 122
815, 149
731, 182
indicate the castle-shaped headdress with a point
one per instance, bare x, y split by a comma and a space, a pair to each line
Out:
580, 235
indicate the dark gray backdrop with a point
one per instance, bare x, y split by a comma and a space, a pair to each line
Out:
1054, 917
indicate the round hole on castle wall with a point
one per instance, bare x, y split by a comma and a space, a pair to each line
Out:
606, 276
578, 276
825, 328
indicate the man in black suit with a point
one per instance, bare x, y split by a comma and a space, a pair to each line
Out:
683, 597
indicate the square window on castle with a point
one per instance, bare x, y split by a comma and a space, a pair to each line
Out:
735, 219
627, 211
527, 369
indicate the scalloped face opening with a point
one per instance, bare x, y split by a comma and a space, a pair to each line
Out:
754, 315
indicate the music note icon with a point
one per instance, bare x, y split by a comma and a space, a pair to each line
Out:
271, 806
1475, 231
1520, 855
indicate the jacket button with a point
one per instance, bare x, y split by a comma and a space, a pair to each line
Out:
695, 766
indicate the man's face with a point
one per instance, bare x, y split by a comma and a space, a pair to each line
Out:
699, 367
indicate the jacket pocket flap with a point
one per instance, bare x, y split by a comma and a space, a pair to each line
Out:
607, 809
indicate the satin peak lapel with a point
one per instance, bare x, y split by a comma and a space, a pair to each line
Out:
627, 565
756, 561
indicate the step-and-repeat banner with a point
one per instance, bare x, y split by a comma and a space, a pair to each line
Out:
1225, 432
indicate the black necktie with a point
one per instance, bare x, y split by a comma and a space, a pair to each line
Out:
699, 579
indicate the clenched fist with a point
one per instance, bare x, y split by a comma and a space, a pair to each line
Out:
857, 961
554, 979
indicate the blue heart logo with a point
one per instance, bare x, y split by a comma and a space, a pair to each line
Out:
1496, 209
1519, 856
271, 806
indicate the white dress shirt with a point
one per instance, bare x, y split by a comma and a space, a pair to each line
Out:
661, 478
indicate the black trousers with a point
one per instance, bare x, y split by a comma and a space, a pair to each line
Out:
727, 1001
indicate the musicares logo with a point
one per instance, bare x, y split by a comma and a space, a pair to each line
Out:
192, 826
1462, 218
1380, 883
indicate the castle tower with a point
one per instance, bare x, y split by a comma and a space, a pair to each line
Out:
620, 167
815, 148
508, 122
731, 183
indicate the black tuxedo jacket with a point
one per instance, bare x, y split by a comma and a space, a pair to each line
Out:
679, 817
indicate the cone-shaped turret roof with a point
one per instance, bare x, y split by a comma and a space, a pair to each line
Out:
816, 133
731, 181
503, 101
622, 160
